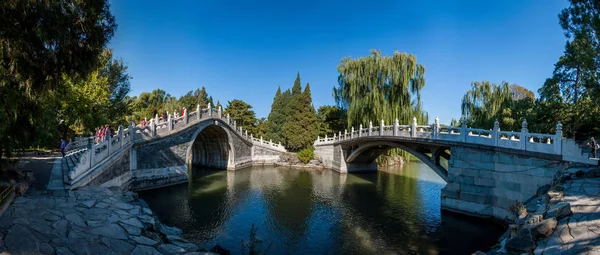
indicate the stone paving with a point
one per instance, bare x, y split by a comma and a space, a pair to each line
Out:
579, 233
90, 220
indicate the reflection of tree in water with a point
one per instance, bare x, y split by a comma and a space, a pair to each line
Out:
290, 207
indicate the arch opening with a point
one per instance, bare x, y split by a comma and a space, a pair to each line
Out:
211, 148
367, 153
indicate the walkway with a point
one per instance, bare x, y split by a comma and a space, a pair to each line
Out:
90, 220
42, 168
580, 233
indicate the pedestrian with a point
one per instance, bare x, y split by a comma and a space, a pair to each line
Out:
63, 146
594, 145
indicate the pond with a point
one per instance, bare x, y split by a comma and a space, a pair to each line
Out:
395, 210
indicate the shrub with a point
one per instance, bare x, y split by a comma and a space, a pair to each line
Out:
306, 154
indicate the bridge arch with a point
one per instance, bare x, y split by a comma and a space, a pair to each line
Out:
211, 146
369, 151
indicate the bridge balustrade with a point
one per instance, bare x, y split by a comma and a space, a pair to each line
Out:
535, 142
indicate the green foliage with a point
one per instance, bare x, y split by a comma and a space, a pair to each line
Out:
305, 155
240, 112
262, 128
300, 129
41, 42
331, 120
381, 87
276, 117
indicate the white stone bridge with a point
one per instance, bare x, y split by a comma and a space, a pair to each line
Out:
488, 170
162, 153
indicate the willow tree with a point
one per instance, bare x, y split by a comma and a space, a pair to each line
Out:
379, 87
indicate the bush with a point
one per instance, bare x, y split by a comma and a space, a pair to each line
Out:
306, 154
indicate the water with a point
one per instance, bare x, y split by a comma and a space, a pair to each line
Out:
393, 211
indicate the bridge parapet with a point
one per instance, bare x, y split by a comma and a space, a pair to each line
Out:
553, 144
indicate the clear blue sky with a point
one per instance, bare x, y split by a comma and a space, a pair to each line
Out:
245, 49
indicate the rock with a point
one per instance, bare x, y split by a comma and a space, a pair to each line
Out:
51, 217
131, 229
579, 174
63, 251
88, 203
170, 249
111, 230
170, 231
46, 248
144, 250
95, 223
102, 205
543, 189
113, 218
75, 219
17, 244
143, 240
543, 229
117, 245
81, 249
558, 210
44, 230
133, 222
478, 253
147, 219
186, 245
61, 227
555, 194
124, 206
22, 221
522, 242
147, 211
135, 211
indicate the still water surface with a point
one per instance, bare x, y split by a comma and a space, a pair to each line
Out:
393, 211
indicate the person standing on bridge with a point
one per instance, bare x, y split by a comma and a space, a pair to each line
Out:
594, 145
63, 145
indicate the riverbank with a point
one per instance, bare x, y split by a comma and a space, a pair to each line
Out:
563, 219
88, 220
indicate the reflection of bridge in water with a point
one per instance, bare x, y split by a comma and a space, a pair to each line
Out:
488, 170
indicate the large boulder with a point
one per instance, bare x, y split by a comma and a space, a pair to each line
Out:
558, 211
522, 242
543, 229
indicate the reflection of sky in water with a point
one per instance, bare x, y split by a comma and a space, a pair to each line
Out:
393, 211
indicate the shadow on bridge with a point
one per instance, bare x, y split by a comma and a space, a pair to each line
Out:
211, 148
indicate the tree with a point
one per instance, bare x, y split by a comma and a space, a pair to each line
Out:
201, 97
240, 112
300, 130
381, 87
262, 126
331, 120
276, 117
41, 42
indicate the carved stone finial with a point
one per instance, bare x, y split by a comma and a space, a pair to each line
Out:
559, 126
524, 124
437, 120
382, 122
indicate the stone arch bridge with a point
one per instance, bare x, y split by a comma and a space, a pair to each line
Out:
163, 152
488, 170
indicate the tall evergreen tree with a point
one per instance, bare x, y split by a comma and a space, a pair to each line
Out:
201, 97
300, 130
276, 117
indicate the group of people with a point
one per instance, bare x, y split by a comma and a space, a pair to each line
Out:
103, 132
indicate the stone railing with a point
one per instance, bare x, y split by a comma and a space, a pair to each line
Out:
164, 128
79, 143
543, 143
96, 153
101, 151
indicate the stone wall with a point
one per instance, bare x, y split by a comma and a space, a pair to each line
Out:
168, 151
116, 168
487, 183
264, 156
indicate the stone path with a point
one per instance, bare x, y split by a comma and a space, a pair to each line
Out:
90, 220
579, 233
42, 168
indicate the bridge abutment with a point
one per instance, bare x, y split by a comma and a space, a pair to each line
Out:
486, 183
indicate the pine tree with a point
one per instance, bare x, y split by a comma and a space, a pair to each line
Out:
276, 118
201, 97
300, 129
210, 100
241, 112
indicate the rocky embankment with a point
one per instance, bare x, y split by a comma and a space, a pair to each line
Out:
291, 160
563, 219
90, 220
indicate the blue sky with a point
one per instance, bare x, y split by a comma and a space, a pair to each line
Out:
245, 49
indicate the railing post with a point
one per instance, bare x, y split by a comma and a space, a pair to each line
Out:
359, 131
241, 131
413, 127
228, 119
169, 122
524, 139
92, 155
370, 127
219, 111
209, 110
381, 128
396, 124
334, 137
261, 140
185, 117
558, 139
463, 129
345, 134
153, 127
121, 135
234, 125
495, 133
251, 137
246, 133
325, 137
352, 133
436, 127
198, 109
340, 135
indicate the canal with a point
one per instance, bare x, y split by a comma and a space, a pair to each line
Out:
393, 211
